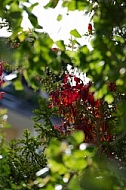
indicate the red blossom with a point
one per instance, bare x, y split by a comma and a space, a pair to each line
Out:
90, 28
55, 49
1, 94
65, 78
76, 104
77, 80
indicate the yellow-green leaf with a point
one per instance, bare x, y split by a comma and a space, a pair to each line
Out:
59, 17
18, 85
75, 33
60, 44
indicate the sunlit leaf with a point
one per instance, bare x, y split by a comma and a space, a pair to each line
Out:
32, 6
18, 85
74, 163
59, 17
51, 4
75, 33
109, 98
60, 44
74, 5
78, 136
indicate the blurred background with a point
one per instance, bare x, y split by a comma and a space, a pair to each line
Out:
19, 106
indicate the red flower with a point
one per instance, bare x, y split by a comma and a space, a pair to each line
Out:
55, 49
1, 94
65, 78
90, 28
77, 80
79, 109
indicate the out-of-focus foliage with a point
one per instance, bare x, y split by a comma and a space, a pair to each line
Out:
11, 12
102, 64
106, 62
4, 169
73, 164
48, 160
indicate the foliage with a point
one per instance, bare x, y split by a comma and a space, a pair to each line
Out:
95, 159
74, 164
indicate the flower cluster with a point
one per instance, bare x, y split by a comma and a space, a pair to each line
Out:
80, 111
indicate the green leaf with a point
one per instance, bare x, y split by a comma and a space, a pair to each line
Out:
75, 5
101, 90
15, 14
74, 163
59, 17
75, 33
109, 98
51, 4
32, 6
18, 85
25, 74
74, 183
57, 166
33, 20
78, 136
60, 44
